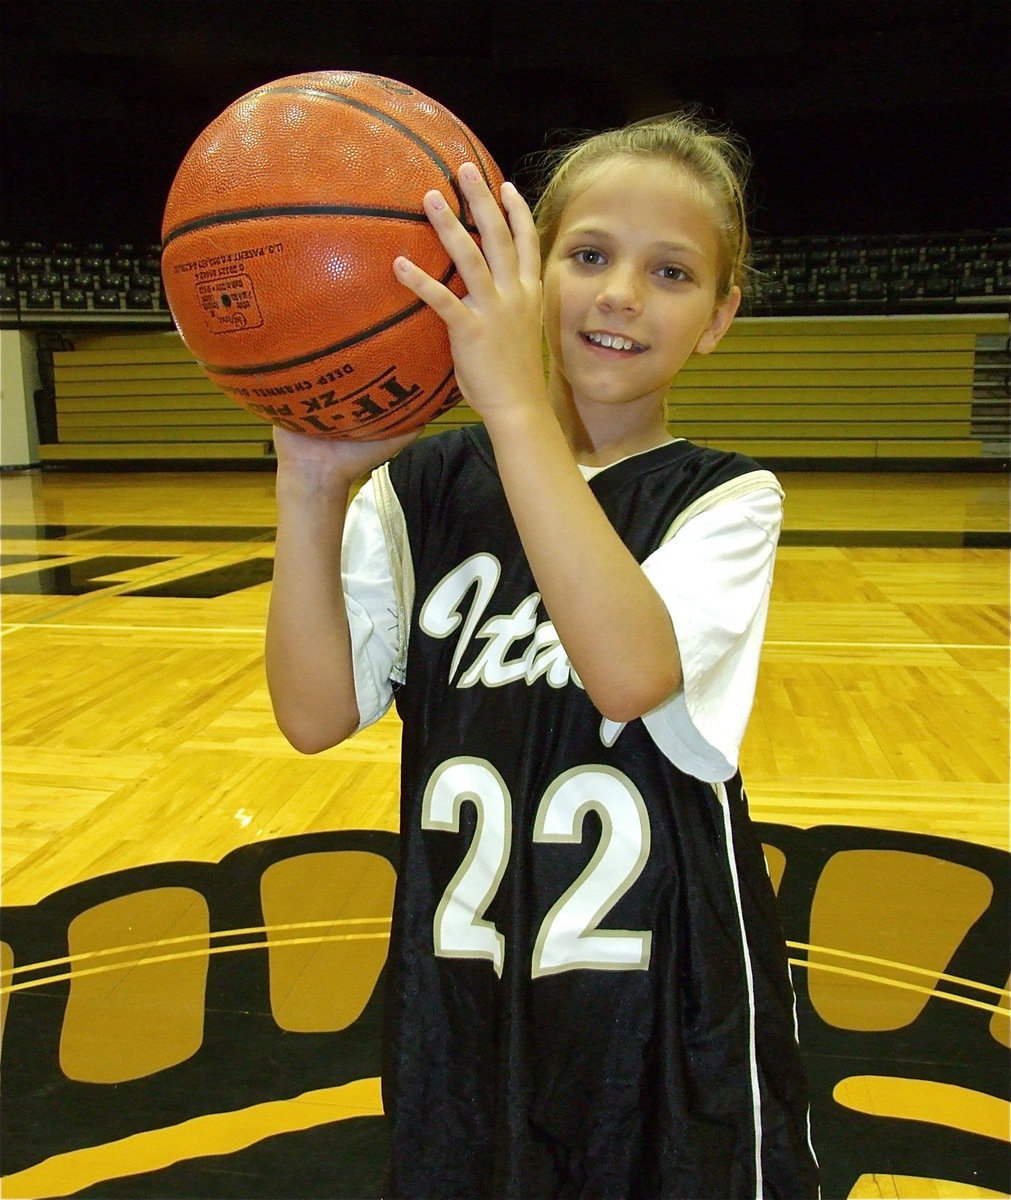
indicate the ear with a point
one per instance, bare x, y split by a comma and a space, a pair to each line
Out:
722, 317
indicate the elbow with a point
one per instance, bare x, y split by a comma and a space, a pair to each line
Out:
313, 737
309, 742
636, 697
311, 718
621, 710
306, 743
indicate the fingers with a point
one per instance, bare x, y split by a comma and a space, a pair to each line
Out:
470, 258
510, 244
437, 296
497, 246
324, 459
478, 266
470, 262
525, 237
507, 247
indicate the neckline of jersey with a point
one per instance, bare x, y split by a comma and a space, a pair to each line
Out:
589, 473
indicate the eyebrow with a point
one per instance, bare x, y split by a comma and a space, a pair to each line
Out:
667, 247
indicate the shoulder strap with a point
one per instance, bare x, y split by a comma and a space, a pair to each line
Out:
398, 547
742, 485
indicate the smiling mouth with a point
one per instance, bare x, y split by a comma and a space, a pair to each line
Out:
613, 341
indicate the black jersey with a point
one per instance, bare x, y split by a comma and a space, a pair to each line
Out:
587, 987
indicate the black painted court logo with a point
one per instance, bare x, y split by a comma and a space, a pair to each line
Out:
186, 1028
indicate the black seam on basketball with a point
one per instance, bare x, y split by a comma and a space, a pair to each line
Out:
389, 322
258, 368
476, 156
430, 150
298, 210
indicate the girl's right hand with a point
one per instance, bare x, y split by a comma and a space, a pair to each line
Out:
310, 670
333, 461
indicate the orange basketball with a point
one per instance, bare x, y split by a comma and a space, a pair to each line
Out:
278, 242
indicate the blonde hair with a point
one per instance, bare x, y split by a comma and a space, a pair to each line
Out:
716, 159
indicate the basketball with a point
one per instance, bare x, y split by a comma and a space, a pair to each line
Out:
278, 240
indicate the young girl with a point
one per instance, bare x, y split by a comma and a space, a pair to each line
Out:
587, 992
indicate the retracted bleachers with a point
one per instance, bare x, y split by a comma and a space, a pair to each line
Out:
856, 349
880, 388
141, 396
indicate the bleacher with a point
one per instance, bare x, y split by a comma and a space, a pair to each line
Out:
59, 283
894, 276
848, 348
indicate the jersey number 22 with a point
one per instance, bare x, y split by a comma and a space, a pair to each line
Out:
569, 937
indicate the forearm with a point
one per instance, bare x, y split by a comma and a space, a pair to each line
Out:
612, 623
308, 650
614, 626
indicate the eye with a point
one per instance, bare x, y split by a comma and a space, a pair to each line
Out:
673, 273
588, 257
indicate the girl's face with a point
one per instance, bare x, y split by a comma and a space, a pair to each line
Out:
630, 283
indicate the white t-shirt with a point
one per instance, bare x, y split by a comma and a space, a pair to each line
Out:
714, 576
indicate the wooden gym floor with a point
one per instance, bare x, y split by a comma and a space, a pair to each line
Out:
195, 917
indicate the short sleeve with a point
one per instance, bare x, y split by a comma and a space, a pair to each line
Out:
714, 576
370, 596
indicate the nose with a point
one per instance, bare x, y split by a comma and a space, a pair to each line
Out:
619, 291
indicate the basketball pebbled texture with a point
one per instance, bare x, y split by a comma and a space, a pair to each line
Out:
278, 241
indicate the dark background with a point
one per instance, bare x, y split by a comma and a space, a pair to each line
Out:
863, 116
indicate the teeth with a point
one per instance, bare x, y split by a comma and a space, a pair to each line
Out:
610, 342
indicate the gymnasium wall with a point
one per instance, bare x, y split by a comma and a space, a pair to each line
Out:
864, 121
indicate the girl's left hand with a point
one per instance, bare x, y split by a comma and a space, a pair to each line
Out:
495, 328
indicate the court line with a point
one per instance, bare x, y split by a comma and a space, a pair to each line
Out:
899, 966
256, 630
164, 573
881, 980
892, 645
210, 935
933, 993
203, 950
112, 627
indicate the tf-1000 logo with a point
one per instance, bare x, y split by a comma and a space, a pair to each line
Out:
330, 411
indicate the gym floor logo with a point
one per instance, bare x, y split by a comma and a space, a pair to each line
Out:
66, 575
208, 1029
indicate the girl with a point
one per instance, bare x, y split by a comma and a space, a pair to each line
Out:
587, 992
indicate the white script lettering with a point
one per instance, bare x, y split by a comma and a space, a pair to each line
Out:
442, 614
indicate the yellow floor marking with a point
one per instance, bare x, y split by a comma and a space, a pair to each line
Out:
919, 1187
926, 1100
201, 1137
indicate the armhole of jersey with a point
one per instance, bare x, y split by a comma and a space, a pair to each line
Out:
731, 490
391, 517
